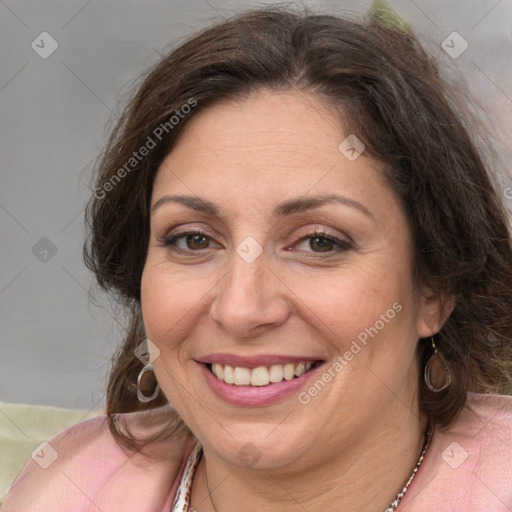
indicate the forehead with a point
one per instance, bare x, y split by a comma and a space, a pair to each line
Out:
266, 121
267, 146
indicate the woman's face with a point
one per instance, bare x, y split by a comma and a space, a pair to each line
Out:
303, 255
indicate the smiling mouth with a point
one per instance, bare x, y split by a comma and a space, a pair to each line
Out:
262, 375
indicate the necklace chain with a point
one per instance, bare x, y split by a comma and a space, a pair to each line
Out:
393, 506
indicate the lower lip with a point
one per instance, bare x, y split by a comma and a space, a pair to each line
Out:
253, 396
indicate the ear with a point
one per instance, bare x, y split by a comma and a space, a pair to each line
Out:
434, 310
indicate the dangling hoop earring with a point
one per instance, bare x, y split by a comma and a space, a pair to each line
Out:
437, 374
145, 382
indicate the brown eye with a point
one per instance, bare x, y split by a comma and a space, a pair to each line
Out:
190, 241
321, 244
197, 241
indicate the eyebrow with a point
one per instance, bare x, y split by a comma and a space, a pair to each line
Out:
283, 209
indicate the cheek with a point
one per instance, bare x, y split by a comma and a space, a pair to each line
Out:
345, 304
170, 303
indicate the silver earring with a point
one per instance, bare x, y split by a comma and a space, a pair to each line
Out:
437, 374
146, 381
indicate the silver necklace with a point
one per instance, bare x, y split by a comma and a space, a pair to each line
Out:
400, 495
393, 506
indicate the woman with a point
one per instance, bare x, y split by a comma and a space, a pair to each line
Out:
318, 274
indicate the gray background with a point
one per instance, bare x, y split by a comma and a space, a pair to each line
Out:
56, 344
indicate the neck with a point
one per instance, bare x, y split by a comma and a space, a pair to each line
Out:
366, 475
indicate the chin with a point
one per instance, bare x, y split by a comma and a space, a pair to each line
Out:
260, 446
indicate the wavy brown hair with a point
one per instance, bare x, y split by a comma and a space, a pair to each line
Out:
389, 92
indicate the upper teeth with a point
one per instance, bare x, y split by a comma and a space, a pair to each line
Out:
260, 376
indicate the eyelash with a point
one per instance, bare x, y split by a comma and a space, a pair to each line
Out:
343, 245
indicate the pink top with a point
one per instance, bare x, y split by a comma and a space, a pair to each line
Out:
467, 468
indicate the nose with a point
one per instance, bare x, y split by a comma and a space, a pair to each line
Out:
250, 299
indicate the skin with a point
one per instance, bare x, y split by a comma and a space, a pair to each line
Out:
356, 442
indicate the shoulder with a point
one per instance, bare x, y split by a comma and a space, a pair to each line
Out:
468, 466
83, 468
